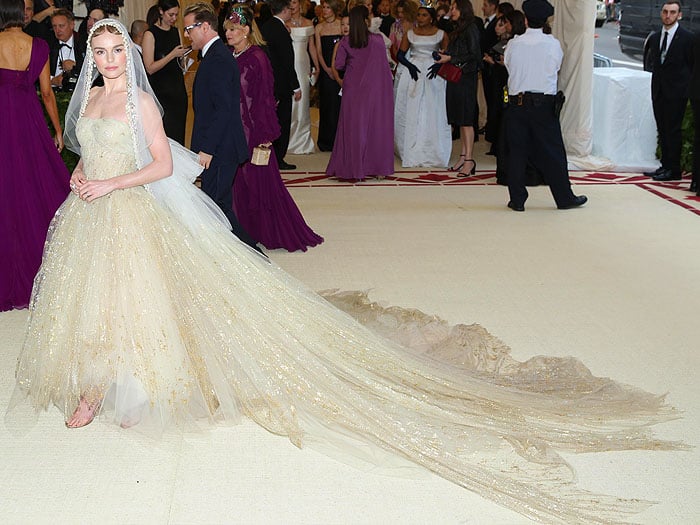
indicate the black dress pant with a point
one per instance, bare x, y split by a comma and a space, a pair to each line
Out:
217, 182
533, 134
668, 113
284, 116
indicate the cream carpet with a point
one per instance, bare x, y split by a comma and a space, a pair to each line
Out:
614, 284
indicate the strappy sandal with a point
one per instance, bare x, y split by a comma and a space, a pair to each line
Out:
89, 409
458, 166
467, 174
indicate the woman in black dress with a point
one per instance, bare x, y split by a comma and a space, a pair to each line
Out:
162, 48
464, 51
327, 35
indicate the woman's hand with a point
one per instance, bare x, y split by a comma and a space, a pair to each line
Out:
58, 141
443, 58
178, 52
94, 189
77, 179
487, 58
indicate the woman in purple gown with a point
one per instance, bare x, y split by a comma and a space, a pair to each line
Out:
364, 141
33, 178
261, 201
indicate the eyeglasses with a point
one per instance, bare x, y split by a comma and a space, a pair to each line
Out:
190, 28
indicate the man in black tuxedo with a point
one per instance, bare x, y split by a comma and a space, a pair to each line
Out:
670, 59
217, 134
488, 40
281, 53
67, 52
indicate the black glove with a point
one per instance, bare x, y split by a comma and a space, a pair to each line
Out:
433, 70
412, 69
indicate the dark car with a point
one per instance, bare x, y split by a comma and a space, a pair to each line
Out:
640, 18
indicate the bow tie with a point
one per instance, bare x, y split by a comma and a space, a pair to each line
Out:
63, 44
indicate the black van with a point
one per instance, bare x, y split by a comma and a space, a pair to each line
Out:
640, 18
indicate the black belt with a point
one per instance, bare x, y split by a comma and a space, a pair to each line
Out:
529, 98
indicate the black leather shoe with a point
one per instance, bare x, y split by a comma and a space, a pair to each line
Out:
516, 207
693, 186
577, 202
286, 166
668, 175
658, 171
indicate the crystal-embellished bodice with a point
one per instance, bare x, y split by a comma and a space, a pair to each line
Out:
106, 147
422, 47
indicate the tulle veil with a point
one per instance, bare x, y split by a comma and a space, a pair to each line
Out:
176, 192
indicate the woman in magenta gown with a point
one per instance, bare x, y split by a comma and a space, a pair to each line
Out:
261, 201
33, 177
364, 141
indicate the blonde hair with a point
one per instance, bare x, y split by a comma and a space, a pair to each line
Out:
246, 13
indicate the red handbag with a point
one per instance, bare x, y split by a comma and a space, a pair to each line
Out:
450, 72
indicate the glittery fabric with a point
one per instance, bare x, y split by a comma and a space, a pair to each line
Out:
171, 328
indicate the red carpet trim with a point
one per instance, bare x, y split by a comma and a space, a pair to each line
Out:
675, 192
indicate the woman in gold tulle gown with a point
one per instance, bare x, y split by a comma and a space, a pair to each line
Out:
149, 313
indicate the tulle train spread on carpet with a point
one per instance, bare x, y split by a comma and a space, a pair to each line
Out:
173, 321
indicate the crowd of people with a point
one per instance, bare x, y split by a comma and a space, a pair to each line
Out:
153, 310
382, 90
149, 313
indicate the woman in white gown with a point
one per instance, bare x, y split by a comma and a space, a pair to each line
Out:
422, 136
302, 32
148, 312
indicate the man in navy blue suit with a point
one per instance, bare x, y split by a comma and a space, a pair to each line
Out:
217, 135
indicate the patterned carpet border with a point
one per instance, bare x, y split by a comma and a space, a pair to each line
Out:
674, 192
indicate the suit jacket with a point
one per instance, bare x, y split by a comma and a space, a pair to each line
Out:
281, 53
489, 37
694, 86
670, 79
216, 100
387, 22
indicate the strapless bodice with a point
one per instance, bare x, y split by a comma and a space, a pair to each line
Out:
106, 147
301, 34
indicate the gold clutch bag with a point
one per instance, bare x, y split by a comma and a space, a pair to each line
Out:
261, 155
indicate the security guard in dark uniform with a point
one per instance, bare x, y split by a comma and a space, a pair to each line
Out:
532, 126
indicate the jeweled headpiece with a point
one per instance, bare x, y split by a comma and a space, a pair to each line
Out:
238, 17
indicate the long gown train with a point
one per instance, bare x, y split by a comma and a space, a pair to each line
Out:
174, 321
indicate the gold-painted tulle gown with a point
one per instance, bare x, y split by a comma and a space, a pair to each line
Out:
173, 326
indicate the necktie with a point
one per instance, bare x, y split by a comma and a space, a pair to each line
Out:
663, 47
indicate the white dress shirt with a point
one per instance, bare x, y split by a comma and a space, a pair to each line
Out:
208, 45
533, 61
671, 32
64, 53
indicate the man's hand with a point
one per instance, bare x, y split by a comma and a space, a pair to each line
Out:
205, 159
297, 95
67, 65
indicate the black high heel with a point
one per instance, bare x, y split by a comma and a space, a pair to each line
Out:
458, 166
466, 174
